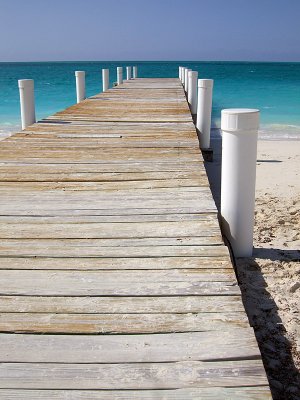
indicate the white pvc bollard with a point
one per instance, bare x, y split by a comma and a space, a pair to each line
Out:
186, 79
105, 79
128, 73
80, 85
179, 72
203, 123
183, 76
26, 89
239, 152
192, 91
135, 73
119, 75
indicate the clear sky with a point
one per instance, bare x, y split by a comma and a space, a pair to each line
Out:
50, 30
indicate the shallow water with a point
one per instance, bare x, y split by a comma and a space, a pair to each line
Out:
271, 87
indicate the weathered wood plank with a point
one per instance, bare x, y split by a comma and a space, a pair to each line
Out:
129, 211
91, 166
127, 305
78, 248
201, 219
111, 230
198, 346
97, 181
139, 263
121, 323
111, 143
211, 393
92, 283
192, 193
129, 276
117, 242
184, 374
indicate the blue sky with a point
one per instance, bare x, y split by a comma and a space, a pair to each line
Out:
49, 30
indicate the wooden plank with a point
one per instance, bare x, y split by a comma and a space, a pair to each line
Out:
129, 211
114, 242
129, 276
198, 346
128, 167
146, 180
201, 219
77, 248
127, 263
102, 206
121, 143
211, 393
121, 323
98, 181
184, 374
111, 230
190, 193
70, 283
127, 305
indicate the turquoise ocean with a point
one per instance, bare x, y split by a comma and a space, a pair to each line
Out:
273, 88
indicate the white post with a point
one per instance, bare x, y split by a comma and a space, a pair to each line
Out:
183, 75
119, 75
128, 73
26, 89
186, 79
203, 124
192, 92
105, 79
135, 74
239, 152
179, 72
80, 85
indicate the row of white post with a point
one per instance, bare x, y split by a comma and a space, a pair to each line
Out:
26, 89
80, 80
239, 151
199, 95
239, 148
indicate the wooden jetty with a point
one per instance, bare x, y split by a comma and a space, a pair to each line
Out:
115, 281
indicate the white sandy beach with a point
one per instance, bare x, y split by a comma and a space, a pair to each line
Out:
270, 281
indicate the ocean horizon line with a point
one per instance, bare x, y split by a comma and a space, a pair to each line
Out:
155, 61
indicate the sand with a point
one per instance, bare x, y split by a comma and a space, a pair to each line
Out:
270, 280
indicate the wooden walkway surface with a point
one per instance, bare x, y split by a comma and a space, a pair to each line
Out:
115, 282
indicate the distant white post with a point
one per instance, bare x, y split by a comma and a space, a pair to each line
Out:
183, 76
192, 91
128, 73
239, 152
80, 85
179, 72
203, 124
26, 89
186, 79
119, 75
105, 79
135, 73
